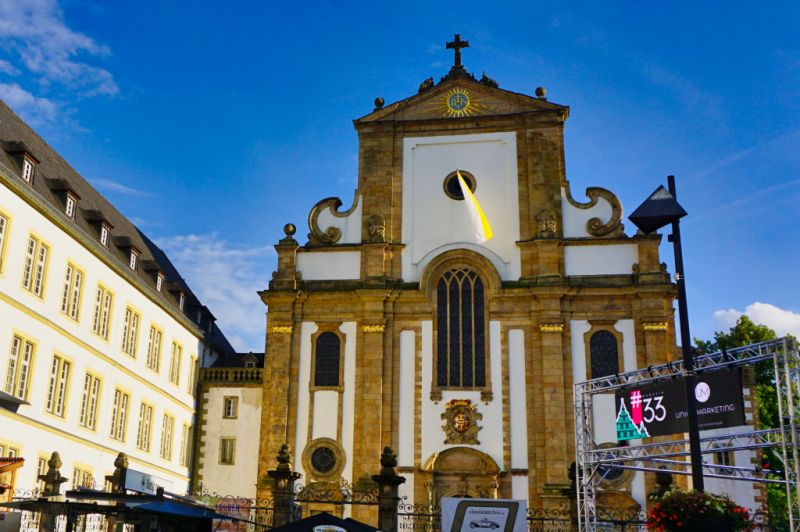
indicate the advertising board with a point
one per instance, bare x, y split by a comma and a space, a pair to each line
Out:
659, 409
484, 514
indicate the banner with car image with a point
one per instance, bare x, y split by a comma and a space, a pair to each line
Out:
476, 515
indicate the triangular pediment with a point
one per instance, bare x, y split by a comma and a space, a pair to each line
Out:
461, 98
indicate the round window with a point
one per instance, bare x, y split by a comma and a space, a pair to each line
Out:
323, 459
453, 188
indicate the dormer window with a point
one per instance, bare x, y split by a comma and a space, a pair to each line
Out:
159, 281
250, 364
69, 207
134, 257
104, 231
27, 169
181, 300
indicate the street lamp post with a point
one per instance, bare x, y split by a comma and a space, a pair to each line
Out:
660, 209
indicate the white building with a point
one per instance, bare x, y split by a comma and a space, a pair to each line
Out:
100, 338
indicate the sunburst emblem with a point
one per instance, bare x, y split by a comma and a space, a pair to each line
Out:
459, 102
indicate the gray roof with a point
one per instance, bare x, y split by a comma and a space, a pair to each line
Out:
237, 360
54, 178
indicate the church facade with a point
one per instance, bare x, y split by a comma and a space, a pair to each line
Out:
391, 326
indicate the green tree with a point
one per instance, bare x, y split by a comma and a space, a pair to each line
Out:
746, 332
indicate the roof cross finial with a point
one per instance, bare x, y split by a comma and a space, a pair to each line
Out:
457, 44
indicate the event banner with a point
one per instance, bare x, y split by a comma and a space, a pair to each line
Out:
502, 515
660, 409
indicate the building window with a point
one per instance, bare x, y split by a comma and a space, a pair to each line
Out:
326, 360
57, 388
604, 354
82, 478
461, 330
33, 275
193, 369
4, 223
18, 372
69, 208
175, 363
119, 415
186, 445
145, 420
230, 407
130, 332
91, 394
7, 451
27, 169
132, 261
227, 451
71, 296
102, 311
167, 428
250, 364
104, 234
154, 349
41, 469
159, 281
723, 457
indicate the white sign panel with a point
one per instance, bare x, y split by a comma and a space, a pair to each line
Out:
474, 515
144, 483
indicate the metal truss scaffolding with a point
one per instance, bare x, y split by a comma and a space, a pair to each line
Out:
673, 455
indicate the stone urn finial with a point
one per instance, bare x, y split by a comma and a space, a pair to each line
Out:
388, 461
284, 457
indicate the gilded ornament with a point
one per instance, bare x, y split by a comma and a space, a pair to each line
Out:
461, 426
656, 326
373, 328
281, 329
551, 327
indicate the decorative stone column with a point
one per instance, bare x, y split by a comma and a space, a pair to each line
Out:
283, 488
52, 488
388, 481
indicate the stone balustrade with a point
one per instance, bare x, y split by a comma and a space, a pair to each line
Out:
231, 375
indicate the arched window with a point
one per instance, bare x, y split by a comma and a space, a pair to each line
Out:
461, 330
326, 361
604, 354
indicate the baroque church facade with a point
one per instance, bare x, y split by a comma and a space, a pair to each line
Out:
392, 327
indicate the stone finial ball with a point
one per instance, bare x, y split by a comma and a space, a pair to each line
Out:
379, 102
541, 92
289, 229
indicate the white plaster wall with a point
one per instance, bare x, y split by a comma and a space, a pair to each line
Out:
53, 332
433, 222
349, 225
406, 489
326, 414
577, 329
517, 400
607, 259
741, 492
405, 417
491, 433
519, 487
307, 328
329, 265
240, 478
348, 328
575, 219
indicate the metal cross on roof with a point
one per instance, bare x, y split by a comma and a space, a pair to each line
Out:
457, 44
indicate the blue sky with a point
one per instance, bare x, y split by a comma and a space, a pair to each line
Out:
211, 124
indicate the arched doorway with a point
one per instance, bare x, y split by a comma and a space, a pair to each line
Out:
461, 472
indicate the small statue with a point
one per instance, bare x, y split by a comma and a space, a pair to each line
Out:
376, 228
425, 85
489, 82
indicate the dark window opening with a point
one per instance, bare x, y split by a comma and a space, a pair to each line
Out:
326, 367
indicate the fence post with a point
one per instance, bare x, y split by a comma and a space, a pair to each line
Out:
52, 488
388, 482
283, 488
117, 481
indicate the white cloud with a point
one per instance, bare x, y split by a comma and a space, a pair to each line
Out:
226, 277
33, 109
116, 186
36, 31
782, 321
8, 68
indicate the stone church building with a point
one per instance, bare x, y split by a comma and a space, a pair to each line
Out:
391, 326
